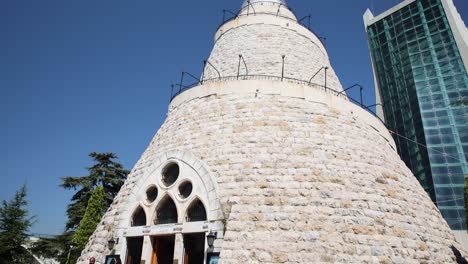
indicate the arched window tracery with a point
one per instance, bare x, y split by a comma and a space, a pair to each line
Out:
166, 212
196, 212
139, 217
178, 204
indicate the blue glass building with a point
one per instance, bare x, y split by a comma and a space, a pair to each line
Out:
419, 55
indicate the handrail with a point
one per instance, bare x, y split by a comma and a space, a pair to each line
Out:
229, 11
188, 73
256, 77
282, 67
309, 17
248, 9
279, 78
209, 63
225, 21
238, 66
324, 67
279, 7
265, 1
352, 86
375, 105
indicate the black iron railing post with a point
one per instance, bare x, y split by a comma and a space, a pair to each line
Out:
209, 63
302, 19
191, 75
245, 65
326, 68
352, 86
374, 105
238, 66
249, 4
277, 12
369, 106
181, 81
230, 12
282, 68
203, 72
172, 91
360, 91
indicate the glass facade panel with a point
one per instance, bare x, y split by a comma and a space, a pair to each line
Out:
424, 88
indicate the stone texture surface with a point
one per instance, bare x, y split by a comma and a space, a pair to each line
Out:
299, 181
262, 44
293, 191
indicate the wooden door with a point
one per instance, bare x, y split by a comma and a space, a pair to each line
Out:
154, 255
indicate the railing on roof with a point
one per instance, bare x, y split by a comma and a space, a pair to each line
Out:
235, 15
182, 88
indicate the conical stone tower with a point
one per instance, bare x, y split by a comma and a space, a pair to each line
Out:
267, 154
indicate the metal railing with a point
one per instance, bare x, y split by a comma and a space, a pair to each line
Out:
183, 88
277, 14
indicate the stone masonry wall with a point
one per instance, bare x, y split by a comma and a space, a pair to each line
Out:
300, 182
262, 46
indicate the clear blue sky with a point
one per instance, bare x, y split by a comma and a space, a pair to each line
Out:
83, 76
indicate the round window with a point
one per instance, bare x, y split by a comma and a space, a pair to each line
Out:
151, 194
170, 173
185, 189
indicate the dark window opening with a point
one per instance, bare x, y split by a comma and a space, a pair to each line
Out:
194, 248
134, 248
166, 212
196, 212
185, 189
139, 217
163, 249
170, 173
152, 194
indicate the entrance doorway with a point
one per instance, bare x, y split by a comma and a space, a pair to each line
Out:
134, 247
194, 248
163, 249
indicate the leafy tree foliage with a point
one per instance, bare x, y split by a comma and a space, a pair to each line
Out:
91, 219
106, 173
14, 225
53, 248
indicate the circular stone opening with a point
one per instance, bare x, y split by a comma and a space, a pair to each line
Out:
151, 194
185, 189
170, 173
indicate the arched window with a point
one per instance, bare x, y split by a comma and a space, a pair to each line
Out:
173, 185
151, 194
196, 212
166, 212
139, 217
170, 173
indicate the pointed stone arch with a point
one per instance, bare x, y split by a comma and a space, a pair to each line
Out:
166, 212
138, 217
155, 165
134, 193
196, 211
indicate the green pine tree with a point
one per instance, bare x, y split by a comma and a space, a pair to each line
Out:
106, 173
91, 218
50, 248
14, 225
